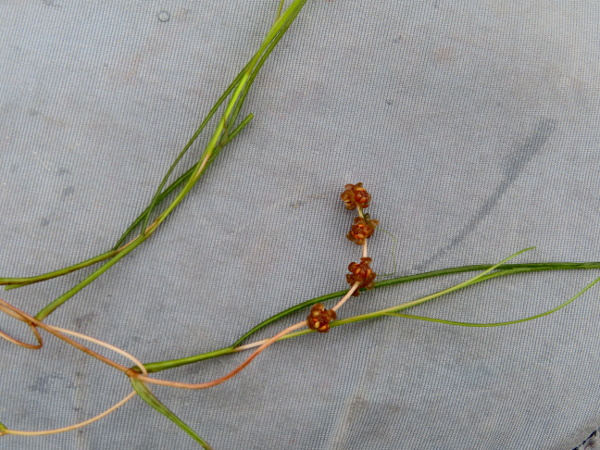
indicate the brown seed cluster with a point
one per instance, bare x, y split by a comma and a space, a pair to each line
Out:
319, 318
362, 229
362, 273
355, 195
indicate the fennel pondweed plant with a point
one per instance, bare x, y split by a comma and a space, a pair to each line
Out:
319, 318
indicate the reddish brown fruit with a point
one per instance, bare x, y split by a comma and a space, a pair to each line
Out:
319, 318
355, 195
362, 229
361, 273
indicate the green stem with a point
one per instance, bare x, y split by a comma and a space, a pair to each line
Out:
279, 8
512, 268
394, 311
502, 270
159, 191
182, 179
215, 144
198, 170
51, 307
12, 283
260, 63
170, 364
495, 324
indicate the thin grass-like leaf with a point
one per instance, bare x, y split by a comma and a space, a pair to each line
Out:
155, 199
496, 324
13, 283
486, 270
151, 399
503, 270
279, 8
213, 147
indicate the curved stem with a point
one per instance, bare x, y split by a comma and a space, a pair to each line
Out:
511, 268
502, 270
74, 426
237, 97
339, 304
17, 315
15, 282
50, 329
111, 347
56, 331
231, 374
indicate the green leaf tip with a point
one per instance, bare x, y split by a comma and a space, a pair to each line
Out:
496, 324
151, 399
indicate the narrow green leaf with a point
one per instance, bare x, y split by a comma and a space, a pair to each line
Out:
503, 270
151, 399
156, 198
279, 9
236, 98
164, 365
13, 283
496, 324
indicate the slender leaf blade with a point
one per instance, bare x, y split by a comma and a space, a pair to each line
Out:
151, 399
